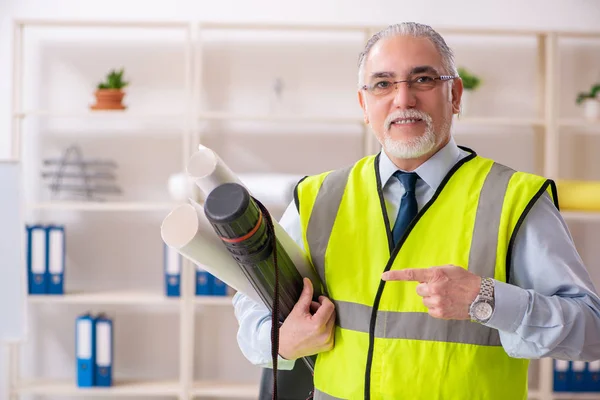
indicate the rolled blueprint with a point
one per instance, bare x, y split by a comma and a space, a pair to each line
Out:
577, 195
187, 230
209, 171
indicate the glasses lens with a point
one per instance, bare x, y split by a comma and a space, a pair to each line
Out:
382, 88
423, 82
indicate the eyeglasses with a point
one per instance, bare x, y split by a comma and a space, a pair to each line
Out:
420, 83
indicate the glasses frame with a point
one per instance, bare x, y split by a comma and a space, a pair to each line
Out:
440, 78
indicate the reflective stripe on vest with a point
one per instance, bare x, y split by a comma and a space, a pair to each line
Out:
408, 325
318, 395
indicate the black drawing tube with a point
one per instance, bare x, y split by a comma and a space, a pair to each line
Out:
241, 225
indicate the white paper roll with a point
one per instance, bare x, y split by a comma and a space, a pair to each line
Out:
209, 171
187, 230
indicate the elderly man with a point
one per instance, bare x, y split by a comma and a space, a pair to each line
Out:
445, 272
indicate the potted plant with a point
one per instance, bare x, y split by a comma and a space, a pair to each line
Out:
109, 94
591, 102
470, 83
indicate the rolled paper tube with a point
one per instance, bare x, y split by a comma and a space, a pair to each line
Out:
209, 171
578, 195
187, 230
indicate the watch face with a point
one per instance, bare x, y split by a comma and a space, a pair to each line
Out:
483, 311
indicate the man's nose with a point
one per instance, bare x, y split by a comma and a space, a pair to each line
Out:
404, 96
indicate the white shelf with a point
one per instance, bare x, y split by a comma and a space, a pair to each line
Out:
82, 23
213, 300
120, 388
226, 390
228, 116
107, 114
124, 297
102, 206
537, 395
580, 123
534, 394
108, 297
576, 395
498, 121
581, 215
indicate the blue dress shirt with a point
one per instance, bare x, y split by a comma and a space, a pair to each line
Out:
549, 308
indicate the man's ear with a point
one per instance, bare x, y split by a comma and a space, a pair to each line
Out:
457, 90
363, 105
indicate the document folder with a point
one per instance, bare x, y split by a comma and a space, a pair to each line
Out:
85, 350
55, 242
104, 351
219, 288
36, 259
172, 261
203, 282
578, 376
561, 375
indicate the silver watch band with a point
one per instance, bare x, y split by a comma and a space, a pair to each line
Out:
487, 288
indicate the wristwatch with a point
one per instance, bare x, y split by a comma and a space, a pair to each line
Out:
482, 308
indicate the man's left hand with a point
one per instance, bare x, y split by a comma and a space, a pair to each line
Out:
447, 291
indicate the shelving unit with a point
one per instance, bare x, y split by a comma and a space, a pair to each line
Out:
148, 389
188, 121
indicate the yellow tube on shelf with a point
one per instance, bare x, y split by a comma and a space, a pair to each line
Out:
578, 195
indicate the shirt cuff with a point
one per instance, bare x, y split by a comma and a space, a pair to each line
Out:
284, 364
510, 306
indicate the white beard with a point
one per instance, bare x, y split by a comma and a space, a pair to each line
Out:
414, 147
411, 148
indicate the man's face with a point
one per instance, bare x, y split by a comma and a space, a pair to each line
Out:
422, 117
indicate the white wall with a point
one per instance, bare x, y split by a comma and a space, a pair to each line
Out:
509, 87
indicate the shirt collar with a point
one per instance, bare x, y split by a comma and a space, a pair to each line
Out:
432, 171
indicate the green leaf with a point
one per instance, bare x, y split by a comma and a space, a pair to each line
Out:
114, 80
470, 81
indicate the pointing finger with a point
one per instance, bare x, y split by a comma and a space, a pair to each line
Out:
413, 274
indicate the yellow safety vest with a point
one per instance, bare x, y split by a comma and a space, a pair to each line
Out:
386, 344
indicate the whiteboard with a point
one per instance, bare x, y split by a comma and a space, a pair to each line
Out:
13, 284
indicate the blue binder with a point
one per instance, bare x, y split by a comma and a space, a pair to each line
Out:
203, 282
37, 254
55, 243
562, 371
104, 351
172, 266
594, 376
578, 374
219, 288
85, 350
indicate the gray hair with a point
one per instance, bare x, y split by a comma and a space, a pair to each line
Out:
415, 30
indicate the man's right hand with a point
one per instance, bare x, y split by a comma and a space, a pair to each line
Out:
309, 328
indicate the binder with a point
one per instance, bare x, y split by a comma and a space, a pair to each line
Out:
55, 243
578, 376
562, 371
36, 259
172, 266
104, 351
203, 282
219, 288
85, 350
593, 378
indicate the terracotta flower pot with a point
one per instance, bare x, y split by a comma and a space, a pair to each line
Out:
109, 99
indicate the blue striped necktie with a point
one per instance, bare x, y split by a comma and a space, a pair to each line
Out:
408, 204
